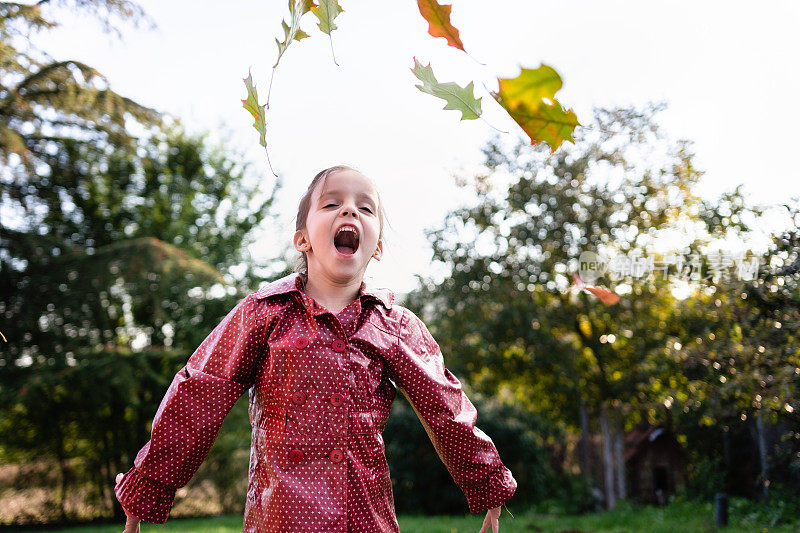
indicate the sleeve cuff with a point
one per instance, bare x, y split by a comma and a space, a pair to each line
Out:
148, 500
493, 492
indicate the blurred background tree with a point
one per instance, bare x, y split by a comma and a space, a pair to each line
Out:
118, 262
739, 363
509, 323
45, 102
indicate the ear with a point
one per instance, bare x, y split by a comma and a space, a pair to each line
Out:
301, 242
378, 252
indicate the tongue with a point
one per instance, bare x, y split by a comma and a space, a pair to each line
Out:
346, 249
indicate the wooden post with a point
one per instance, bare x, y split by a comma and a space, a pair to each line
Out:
608, 458
619, 455
763, 454
586, 466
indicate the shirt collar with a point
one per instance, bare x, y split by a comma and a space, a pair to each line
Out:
294, 283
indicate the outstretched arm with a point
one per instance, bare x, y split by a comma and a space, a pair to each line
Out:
449, 417
192, 411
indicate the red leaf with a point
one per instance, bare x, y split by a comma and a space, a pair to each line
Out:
438, 17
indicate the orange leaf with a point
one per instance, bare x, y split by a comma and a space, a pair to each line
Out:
606, 296
438, 17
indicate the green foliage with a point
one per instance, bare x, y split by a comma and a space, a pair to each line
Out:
684, 516
740, 360
505, 314
96, 409
108, 290
782, 508
46, 102
571, 495
421, 482
509, 321
706, 477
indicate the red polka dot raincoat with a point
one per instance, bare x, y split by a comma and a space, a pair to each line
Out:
321, 386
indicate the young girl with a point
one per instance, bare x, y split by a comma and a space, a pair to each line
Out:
321, 354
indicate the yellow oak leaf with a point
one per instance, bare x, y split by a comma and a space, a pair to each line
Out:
530, 100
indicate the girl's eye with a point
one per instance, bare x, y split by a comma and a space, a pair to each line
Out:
330, 205
368, 209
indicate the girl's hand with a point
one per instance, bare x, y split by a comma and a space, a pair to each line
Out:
132, 523
492, 516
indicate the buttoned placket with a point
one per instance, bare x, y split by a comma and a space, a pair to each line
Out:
339, 406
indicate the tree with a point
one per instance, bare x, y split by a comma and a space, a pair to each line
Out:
101, 291
47, 102
506, 309
739, 363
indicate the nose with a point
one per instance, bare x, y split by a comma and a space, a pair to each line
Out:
348, 209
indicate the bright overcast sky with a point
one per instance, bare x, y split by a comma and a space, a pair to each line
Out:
728, 71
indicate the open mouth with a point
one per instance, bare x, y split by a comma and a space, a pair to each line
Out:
346, 240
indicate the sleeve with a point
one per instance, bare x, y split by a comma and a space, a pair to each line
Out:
448, 417
191, 413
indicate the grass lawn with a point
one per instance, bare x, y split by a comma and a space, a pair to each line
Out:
682, 517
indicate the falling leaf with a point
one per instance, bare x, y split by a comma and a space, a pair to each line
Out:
457, 98
438, 17
297, 8
530, 100
258, 111
606, 296
326, 11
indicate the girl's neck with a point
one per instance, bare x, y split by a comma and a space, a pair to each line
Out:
332, 296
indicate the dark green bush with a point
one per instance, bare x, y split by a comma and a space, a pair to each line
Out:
422, 484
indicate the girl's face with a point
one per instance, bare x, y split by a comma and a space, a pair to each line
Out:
344, 198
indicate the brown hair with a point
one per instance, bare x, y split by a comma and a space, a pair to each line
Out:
301, 263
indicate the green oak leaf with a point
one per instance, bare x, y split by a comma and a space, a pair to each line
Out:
297, 8
458, 98
326, 11
258, 111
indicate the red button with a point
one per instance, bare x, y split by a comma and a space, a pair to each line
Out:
338, 345
337, 399
299, 397
301, 342
296, 455
337, 455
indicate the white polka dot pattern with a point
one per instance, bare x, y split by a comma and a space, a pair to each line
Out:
416, 365
321, 385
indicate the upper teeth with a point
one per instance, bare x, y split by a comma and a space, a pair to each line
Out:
348, 228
